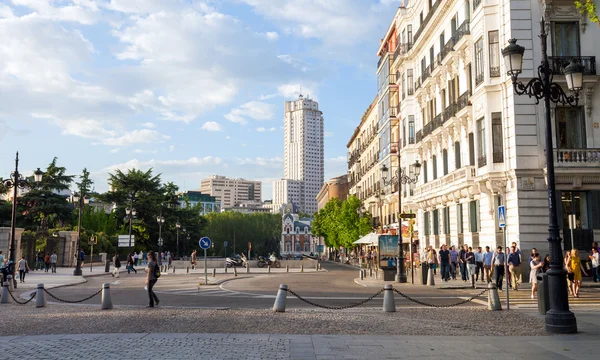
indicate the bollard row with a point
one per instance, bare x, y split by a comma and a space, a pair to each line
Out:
41, 292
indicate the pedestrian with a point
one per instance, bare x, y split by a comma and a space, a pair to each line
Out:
145, 257
117, 263
431, 259
514, 266
575, 268
23, 269
46, 262
1, 258
169, 258
53, 260
498, 263
595, 257
130, 264
462, 260
453, 261
470, 257
487, 263
570, 276
444, 256
151, 278
435, 261
193, 260
135, 258
536, 265
82, 256
39, 260
546, 265
479, 264
533, 252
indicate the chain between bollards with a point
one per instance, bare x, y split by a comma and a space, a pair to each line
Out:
349, 306
439, 306
71, 301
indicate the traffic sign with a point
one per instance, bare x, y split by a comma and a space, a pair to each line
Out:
204, 243
160, 242
249, 245
502, 216
93, 240
408, 216
124, 241
225, 243
320, 248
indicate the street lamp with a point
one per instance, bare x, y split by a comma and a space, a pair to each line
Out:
558, 319
399, 179
160, 220
130, 213
177, 226
17, 181
79, 200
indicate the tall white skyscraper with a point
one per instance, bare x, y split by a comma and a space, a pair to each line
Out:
303, 156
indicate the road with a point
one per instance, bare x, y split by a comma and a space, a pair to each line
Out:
333, 287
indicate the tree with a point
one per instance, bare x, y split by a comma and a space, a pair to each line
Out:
588, 7
340, 224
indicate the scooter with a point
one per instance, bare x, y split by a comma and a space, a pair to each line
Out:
234, 261
271, 261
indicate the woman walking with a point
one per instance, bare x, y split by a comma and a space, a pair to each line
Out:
546, 263
130, 264
23, 269
151, 278
117, 263
536, 266
574, 267
570, 275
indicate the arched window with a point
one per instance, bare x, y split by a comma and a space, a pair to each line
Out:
306, 244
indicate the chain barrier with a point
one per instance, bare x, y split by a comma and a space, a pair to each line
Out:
349, 306
440, 306
21, 302
71, 301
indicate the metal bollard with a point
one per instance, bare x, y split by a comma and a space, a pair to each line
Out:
301, 268
187, 270
430, 277
173, 269
317, 267
234, 271
5, 295
362, 276
107, 266
370, 272
268, 269
473, 281
247, 268
214, 272
11, 286
281, 299
40, 296
287, 268
493, 298
106, 299
388, 299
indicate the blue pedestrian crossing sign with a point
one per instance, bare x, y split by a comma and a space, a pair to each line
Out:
502, 216
205, 243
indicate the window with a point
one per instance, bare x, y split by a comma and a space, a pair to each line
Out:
457, 155
474, 216
471, 149
426, 221
403, 86
411, 129
404, 132
479, 62
494, 49
570, 128
424, 172
446, 212
436, 222
481, 158
445, 161
565, 38
411, 82
459, 218
434, 164
497, 139
410, 34
420, 19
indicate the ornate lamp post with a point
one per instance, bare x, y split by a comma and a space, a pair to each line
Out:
17, 181
399, 179
177, 226
79, 200
161, 220
558, 319
130, 213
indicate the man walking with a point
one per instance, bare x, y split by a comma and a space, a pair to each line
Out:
498, 263
487, 263
193, 261
453, 262
462, 259
444, 257
514, 266
53, 259
479, 264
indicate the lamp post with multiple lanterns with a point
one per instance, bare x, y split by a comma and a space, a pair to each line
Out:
130, 213
558, 319
79, 200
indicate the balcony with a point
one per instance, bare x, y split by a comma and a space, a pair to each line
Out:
463, 34
463, 101
426, 73
481, 161
418, 84
426, 20
494, 71
392, 79
382, 57
476, 4
419, 136
394, 111
577, 157
448, 49
450, 111
402, 49
498, 157
438, 121
478, 79
558, 63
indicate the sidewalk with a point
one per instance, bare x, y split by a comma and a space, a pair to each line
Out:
63, 277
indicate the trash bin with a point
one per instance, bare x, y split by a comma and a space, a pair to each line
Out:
424, 271
542, 293
107, 266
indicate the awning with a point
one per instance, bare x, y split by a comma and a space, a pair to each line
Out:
369, 239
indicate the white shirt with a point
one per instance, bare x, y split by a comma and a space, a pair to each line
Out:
596, 260
22, 264
53, 258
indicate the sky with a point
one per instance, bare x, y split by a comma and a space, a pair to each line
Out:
189, 88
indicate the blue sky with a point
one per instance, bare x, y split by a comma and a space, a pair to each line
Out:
190, 88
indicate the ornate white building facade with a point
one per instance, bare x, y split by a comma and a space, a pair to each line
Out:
445, 100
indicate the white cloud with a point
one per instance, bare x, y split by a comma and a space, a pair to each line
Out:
160, 165
338, 159
171, 148
143, 136
115, 150
261, 129
328, 134
292, 90
274, 162
272, 129
211, 126
272, 35
149, 125
5, 12
227, 137
256, 110
142, 151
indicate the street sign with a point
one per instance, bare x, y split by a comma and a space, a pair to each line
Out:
320, 248
408, 216
225, 243
124, 241
502, 216
160, 242
204, 243
93, 240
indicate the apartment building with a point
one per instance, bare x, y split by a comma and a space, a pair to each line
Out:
230, 192
445, 100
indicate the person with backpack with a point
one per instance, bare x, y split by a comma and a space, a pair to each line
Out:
152, 275
23, 269
117, 263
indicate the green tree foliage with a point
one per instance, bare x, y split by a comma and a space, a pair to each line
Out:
588, 7
263, 230
340, 224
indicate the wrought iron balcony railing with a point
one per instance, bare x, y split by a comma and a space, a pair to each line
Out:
558, 63
426, 20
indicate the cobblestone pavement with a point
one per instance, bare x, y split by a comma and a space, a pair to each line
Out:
68, 319
316, 347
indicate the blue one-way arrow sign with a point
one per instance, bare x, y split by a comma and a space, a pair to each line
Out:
205, 243
502, 216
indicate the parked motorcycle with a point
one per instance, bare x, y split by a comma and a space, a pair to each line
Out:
235, 260
271, 261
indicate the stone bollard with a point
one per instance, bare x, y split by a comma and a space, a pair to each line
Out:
247, 268
287, 268
5, 295
11, 286
106, 299
361, 274
268, 269
214, 272
493, 298
173, 269
225, 269
430, 277
473, 281
187, 270
301, 268
280, 300
40, 296
234, 271
317, 267
370, 272
388, 299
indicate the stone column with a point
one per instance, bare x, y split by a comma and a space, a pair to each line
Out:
5, 242
67, 248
